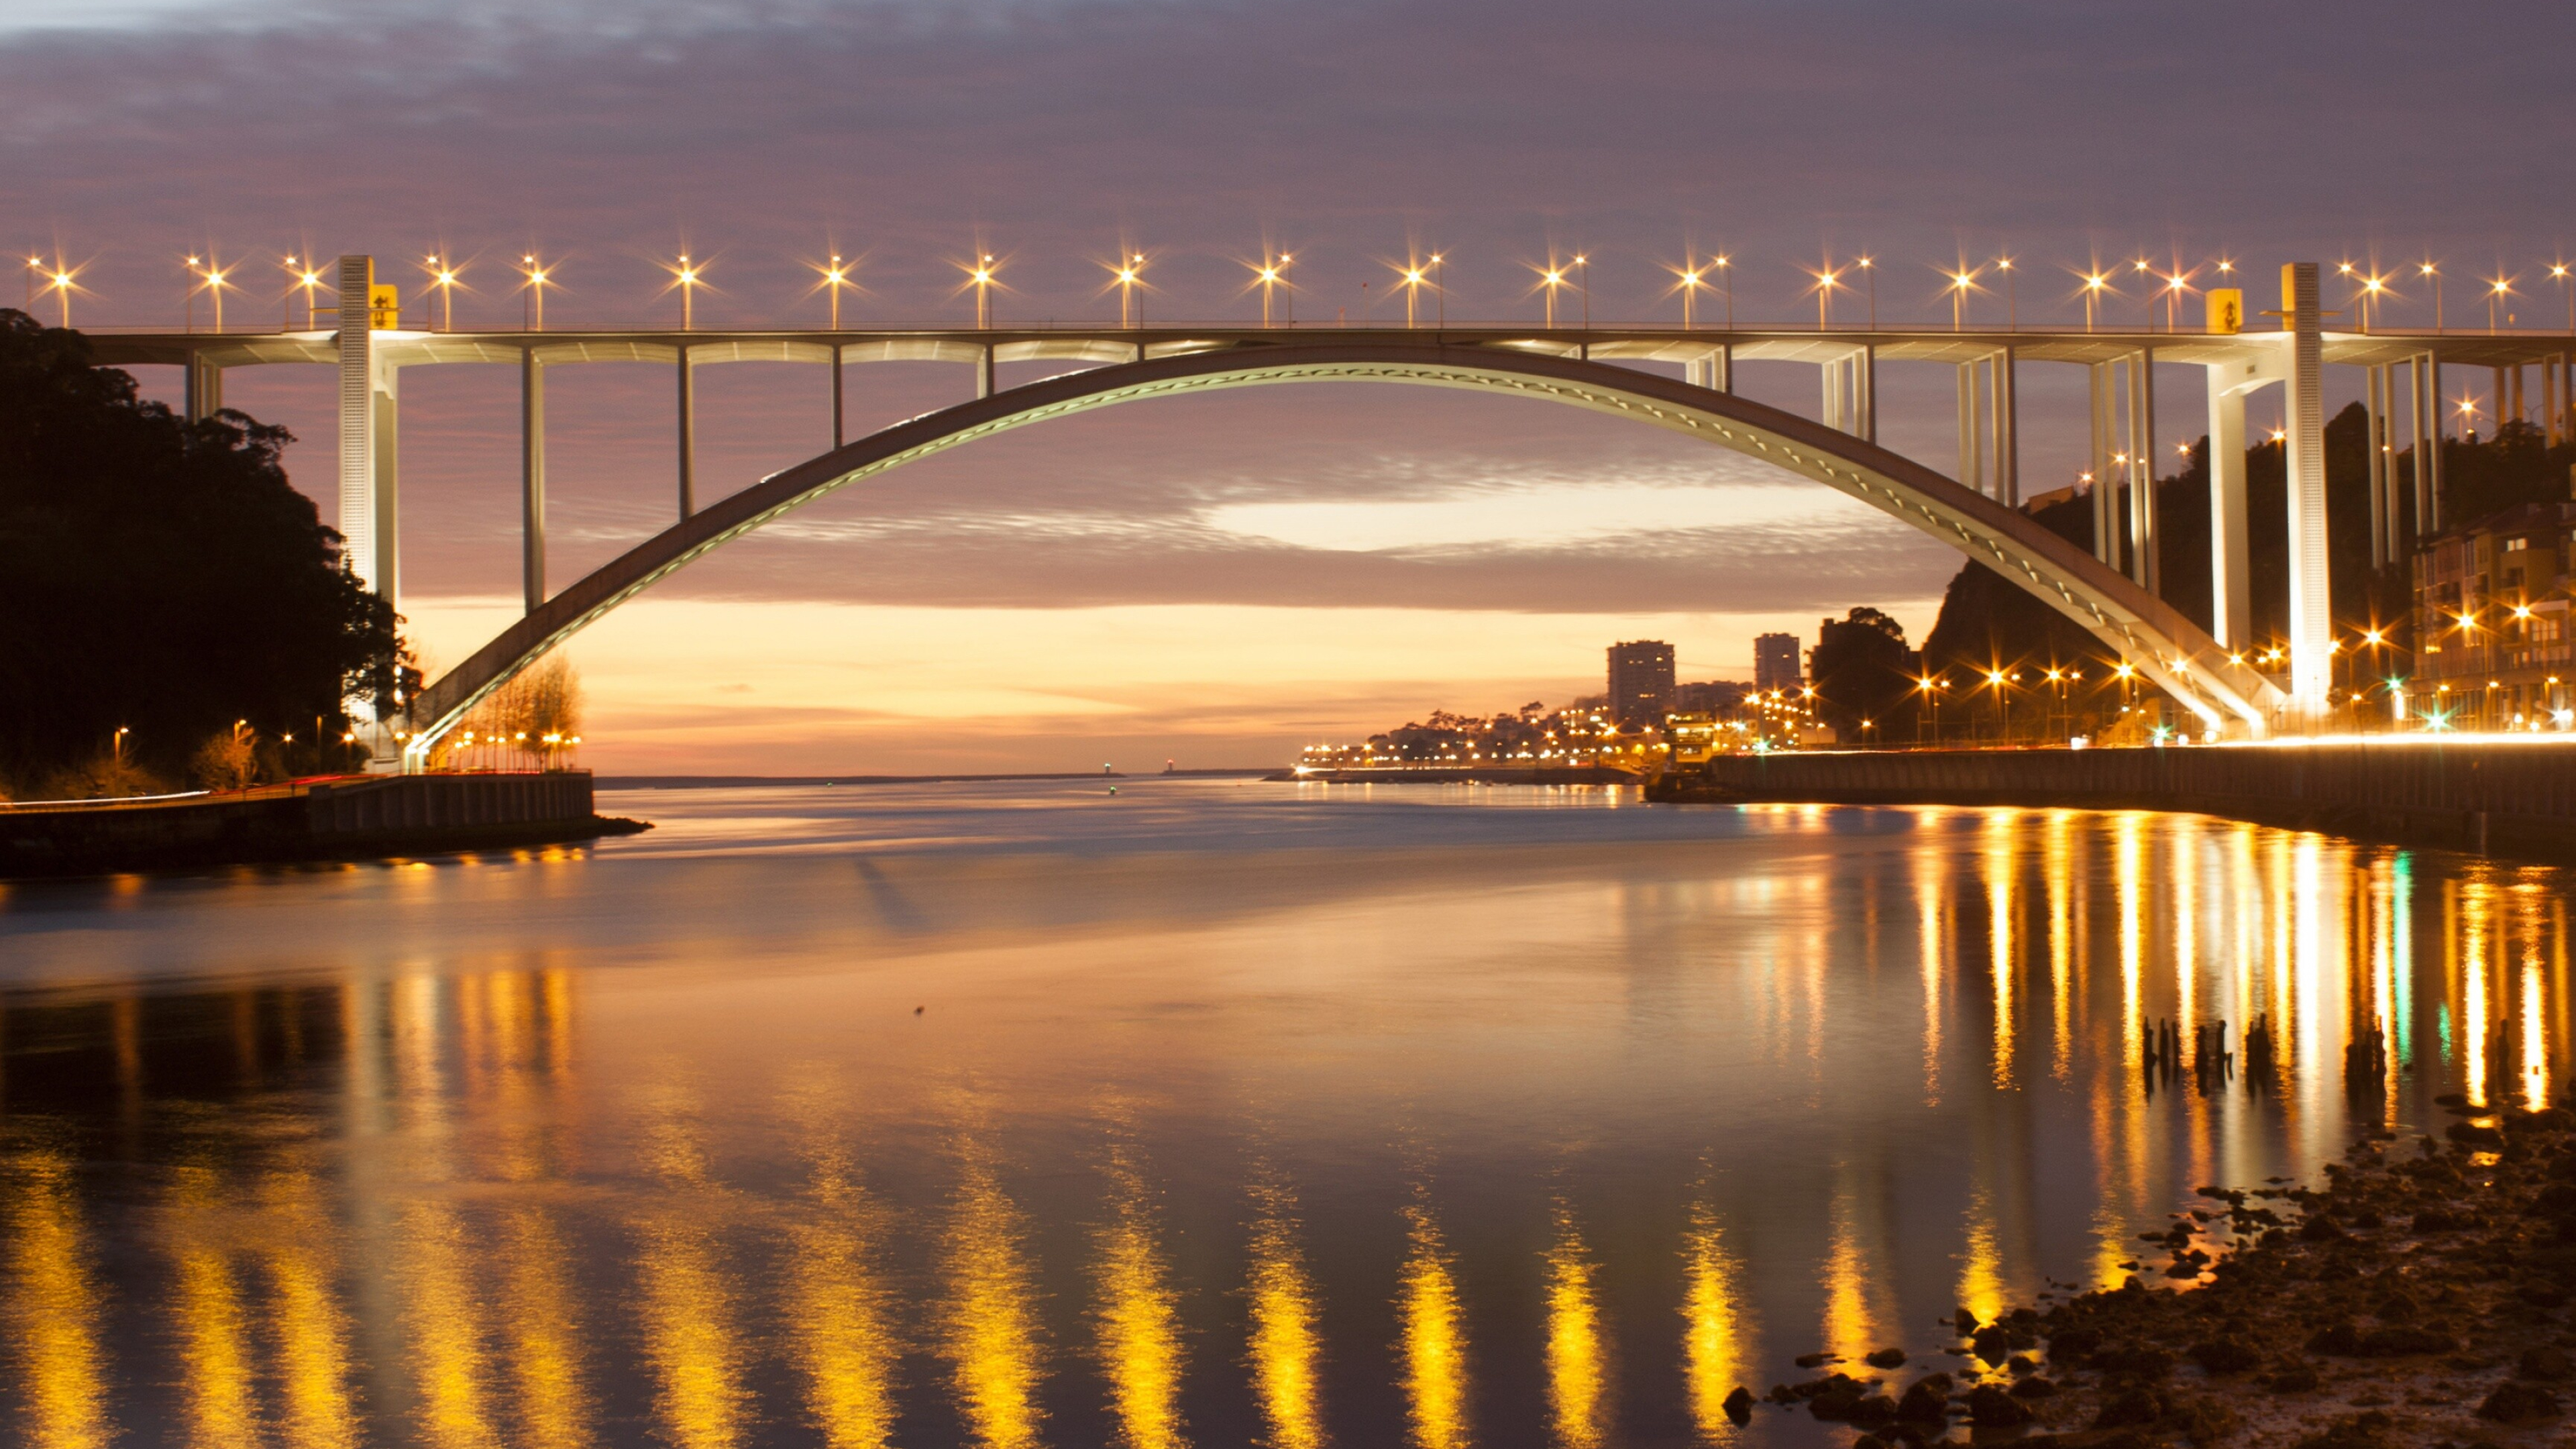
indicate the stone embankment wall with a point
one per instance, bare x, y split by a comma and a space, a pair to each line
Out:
2505, 798
391, 814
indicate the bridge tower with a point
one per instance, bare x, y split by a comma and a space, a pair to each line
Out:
369, 519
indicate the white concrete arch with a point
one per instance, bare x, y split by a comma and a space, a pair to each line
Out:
2166, 648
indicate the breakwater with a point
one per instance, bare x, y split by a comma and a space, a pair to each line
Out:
2510, 798
343, 817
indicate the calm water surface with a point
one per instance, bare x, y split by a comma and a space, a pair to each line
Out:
1210, 1113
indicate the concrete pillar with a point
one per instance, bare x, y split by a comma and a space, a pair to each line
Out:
1722, 363
2007, 429
2428, 465
204, 388
837, 419
1829, 382
357, 419
1972, 473
532, 478
2231, 592
2144, 565
984, 373
2303, 416
688, 435
2375, 462
387, 413
2106, 488
1865, 386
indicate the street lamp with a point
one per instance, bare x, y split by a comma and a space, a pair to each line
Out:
1271, 274
1826, 280
1960, 281
215, 282
1869, 270
980, 276
2094, 283
836, 275
442, 275
1726, 280
2143, 269
304, 275
1688, 287
685, 276
2427, 269
57, 279
1130, 273
2498, 288
1414, 277
1583, 284
2558, 272
532, 309
1550, 278
2012, 296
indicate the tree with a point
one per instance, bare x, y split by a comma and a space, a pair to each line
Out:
1862, 671
161, 576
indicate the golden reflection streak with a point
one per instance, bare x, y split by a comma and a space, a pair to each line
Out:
2058, 869
54, 1306
2001, 828
2122, 1166
1717, 1340
214, 1353
688, 1307
2473, 993
844, 1341
545, 1338
1286, 1347
1577, 1356
1981, 1277
992, 1325
445, 1317
311, 1329
1853, 1318
1931, 883
1138, 1315
1435, 1344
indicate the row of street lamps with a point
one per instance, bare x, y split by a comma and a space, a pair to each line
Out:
2369, 288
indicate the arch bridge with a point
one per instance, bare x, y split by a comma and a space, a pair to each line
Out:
2113, 593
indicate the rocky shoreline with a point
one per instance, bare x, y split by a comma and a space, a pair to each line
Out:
2418, 1298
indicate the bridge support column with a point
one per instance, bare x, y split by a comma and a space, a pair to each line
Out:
2231, 591
532, 478
1865, 383
2007, 427
2428, 444
984, 372
688, 435
2106, 523
2144, 542
2374, 408
837, 417
205, 388
2303, 416
368, 515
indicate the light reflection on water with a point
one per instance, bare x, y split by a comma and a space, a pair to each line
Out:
1211, 1113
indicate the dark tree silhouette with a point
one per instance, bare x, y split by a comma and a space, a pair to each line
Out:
160, 576
1863, 671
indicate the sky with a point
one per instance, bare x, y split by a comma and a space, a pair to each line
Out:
1219, 580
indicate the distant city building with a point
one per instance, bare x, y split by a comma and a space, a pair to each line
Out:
2494, 647
1775, 662
1641, 682
1715, 697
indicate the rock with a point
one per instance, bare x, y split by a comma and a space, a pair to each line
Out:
1869, 1441
2297, 1378
2397, 1307
2020, 1364
2342, 1340
1739, 1406
2321, 1228
2544, 1363
2034, 1388
2227, 1355
2135, 1406
2514, 1403
1886, 1358
1990, 1407
1812, 1360
2541, 1295
2132, 1361
2397, 1340
2357, 1431
1926, 1402
2073, 1343
1873, 1411
1833, 1397
2203, 1421
2470, 1134
2438, 1220
1966, 1322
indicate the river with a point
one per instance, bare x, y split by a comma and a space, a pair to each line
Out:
1208, 1112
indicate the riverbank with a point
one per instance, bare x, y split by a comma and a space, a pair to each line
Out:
2418, 1298
1464, 775
348, 817
2513, 798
